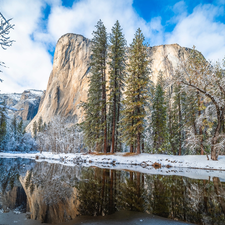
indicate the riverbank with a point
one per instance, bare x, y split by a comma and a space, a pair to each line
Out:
144, 160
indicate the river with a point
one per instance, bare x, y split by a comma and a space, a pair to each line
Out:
41, 192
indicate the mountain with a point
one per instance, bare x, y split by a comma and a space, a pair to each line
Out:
27, 103
68, 82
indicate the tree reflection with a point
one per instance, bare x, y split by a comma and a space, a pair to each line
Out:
57, 193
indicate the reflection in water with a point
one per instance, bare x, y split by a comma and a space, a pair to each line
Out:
12, 195
58, 193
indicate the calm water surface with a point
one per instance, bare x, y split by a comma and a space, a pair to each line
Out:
53, 193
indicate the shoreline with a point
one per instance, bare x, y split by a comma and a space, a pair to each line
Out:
186, 166
144, 160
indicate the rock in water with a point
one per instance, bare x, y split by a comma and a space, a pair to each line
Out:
68, 82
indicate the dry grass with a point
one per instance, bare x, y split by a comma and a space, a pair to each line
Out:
100, 153
130, 154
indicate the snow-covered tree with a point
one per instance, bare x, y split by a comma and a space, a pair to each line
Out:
16, 139
60, 136
5, 41
196, 75
159, 117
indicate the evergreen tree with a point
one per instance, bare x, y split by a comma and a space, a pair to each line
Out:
136, 92
159, 117
3, 124
95, 122
20, 129
14, 125
116, 78
40, 122
35, 129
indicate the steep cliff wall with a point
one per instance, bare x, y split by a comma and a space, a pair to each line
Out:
27, 102
68, 82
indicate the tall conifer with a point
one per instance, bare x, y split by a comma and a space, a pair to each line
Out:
136, 92
116, 78
2, 124
159, 117
94, 125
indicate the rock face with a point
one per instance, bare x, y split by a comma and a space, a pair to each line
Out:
29, 101
68, 83
51, 199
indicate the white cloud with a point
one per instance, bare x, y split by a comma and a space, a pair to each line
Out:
28, 62
83, 16
202, 30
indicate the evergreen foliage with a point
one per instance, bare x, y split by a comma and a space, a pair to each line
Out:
95, 123
40, 124
159, 118
136, 92
3, 123
117, 66
35, 129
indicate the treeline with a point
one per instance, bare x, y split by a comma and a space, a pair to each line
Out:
13, 136
58, 136
114, 111
183, 114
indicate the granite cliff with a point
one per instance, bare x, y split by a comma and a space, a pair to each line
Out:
68, 82
27, 103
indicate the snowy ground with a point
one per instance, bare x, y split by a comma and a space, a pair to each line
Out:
193, 166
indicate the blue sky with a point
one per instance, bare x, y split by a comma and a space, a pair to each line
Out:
40, 23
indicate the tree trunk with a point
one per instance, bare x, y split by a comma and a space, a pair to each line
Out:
114, 123
180, 118
138, 184
104, 110
200, 129
131, 176
117, 121
143, 146
213, 150
219, 191
131, 148
139, 143
214, 156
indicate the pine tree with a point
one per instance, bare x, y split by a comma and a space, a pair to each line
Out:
95, 121
14, 125
40, 122
20, 127
117, 65
3, 124
159, 117
35, 129
176, 115
136, 92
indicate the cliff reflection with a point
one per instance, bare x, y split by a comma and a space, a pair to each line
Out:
12, 195
50, 191
56, 193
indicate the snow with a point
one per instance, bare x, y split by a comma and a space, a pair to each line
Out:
36, 92
192, 166
31, 101
15, 96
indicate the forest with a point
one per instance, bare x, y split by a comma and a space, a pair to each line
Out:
125, 111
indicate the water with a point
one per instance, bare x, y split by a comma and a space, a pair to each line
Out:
33, 192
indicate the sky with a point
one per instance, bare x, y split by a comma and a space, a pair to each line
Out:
40, 23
